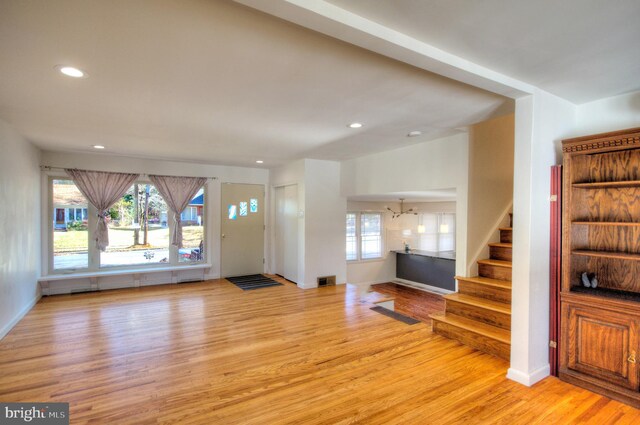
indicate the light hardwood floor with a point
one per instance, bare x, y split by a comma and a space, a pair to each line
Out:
210, 353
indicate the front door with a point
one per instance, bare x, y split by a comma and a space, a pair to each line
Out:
242, 229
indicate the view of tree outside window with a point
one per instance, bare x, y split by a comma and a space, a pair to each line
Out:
138, 229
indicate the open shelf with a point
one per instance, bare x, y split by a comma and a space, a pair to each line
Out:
605, 223
597, 327
607, 293
607, 254
606, 185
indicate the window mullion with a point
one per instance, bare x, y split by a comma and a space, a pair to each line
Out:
94, 253
173, 250
359, 235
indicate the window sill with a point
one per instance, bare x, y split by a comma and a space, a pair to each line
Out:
370, 260
120, 272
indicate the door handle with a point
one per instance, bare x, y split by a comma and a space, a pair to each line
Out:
223, 236
632, 357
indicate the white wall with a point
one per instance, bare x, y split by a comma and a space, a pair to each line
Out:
437, 164
542, 120
490, 184
292, 173
321, 219
609, 114
224, 174
19, 227
325, 212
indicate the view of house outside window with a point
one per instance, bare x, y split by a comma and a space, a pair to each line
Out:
70, 236
193, 230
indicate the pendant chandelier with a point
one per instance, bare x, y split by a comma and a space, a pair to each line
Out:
402, 211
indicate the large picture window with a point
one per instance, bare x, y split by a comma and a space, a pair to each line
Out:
139, 224
364, 236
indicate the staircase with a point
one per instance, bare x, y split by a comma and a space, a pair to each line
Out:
479, 314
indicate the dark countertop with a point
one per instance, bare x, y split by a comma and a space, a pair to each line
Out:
445, 255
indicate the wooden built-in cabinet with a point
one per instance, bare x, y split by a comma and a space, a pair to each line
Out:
599, 327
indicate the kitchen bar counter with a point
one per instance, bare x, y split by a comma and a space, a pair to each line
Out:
435, 269
445, 255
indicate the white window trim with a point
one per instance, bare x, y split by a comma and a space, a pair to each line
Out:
359, 258
94, 253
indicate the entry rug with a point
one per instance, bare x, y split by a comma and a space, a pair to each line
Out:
253, 281
395, 315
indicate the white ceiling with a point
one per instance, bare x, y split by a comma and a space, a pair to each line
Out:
580, 50
214, 82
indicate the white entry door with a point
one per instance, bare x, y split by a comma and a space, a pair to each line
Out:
242, 229
286, 232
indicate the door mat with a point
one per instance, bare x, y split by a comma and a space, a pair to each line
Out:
253, 281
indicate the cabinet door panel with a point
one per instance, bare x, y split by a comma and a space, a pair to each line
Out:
601, 343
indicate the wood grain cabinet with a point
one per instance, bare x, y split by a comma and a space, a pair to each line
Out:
600, 292
602, 344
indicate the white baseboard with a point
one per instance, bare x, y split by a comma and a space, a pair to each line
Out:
7, 328
372, 282
529, 379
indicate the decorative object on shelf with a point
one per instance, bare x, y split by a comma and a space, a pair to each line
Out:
397, 214
589, 280
406, 247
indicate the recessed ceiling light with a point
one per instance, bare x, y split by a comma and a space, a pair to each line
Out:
355, 125
414, 133
259, 161
70, 71
98, 147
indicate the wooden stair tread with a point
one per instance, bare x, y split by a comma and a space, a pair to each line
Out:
505, 228
502, 244
497, 283
488, 331
484, 303
498, 263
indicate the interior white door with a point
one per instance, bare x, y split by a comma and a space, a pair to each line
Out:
279, 248
286, 232
242, 229
291, 233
